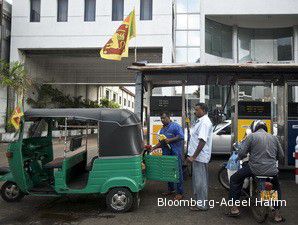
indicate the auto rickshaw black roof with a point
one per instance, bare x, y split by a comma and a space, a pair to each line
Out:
119, 133
122, 117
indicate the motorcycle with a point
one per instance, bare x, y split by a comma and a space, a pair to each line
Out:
256, 189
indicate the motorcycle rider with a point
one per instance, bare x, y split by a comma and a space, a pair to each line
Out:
264, 150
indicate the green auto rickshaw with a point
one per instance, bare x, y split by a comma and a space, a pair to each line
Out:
101, 152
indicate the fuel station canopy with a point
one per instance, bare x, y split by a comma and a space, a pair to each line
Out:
161, 75
280, 79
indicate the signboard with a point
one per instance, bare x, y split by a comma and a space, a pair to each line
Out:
156, 125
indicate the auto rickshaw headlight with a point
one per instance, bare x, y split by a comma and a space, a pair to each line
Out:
9, 155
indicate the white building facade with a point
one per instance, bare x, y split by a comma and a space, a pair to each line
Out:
59, 40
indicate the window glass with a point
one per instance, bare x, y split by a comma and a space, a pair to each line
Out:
182, 21
62, 11
265, 45
227, 130
285, 49
107, 94
117, 10
35, 11
244, 44
181, 6
226, 48
194, 22
193, 55
218, 39
146, 10
193, 6
194, 38
90, 9
220, 126
181, 55
181, 38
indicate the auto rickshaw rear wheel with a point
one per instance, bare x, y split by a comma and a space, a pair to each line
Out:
10, 192
119, 200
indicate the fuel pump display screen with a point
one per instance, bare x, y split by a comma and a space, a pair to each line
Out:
250, 111
293, 110
254, 109
172, 104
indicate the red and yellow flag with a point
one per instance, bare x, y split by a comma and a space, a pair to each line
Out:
117, 46
16, 117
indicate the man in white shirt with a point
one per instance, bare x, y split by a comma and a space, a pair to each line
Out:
199, 154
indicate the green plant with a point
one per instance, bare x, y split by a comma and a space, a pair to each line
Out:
50, 97
106, 103
15, 76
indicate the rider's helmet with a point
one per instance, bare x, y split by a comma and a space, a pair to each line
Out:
258, 124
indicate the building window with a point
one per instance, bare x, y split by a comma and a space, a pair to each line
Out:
120, 100
107, 94
265, 45
124, 101
90, 9
132, 105
117, 10
114, 97
128, 103
218, 39
188, 6
62, 11
187, 31
146, 10
285, 49
188, 54
35, 11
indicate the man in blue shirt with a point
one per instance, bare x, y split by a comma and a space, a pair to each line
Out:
172, 145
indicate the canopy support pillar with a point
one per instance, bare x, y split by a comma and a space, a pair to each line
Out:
139, 96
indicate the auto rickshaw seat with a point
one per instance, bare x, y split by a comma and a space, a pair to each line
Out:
56, 163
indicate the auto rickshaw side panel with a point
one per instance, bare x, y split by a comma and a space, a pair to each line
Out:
162, 168
107, 173
16, 165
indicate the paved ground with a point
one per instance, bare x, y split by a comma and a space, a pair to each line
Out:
91, 210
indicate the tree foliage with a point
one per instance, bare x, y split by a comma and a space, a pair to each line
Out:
15, 76
50, 97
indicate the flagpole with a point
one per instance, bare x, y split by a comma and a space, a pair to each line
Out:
136, 54
136, 59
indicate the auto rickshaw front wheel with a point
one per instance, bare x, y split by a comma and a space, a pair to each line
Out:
10, 192
121, 200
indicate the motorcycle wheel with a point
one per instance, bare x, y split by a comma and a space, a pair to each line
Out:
223, 177
260, 213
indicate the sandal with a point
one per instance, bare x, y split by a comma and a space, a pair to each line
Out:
279, 221
230, 214
194, 208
